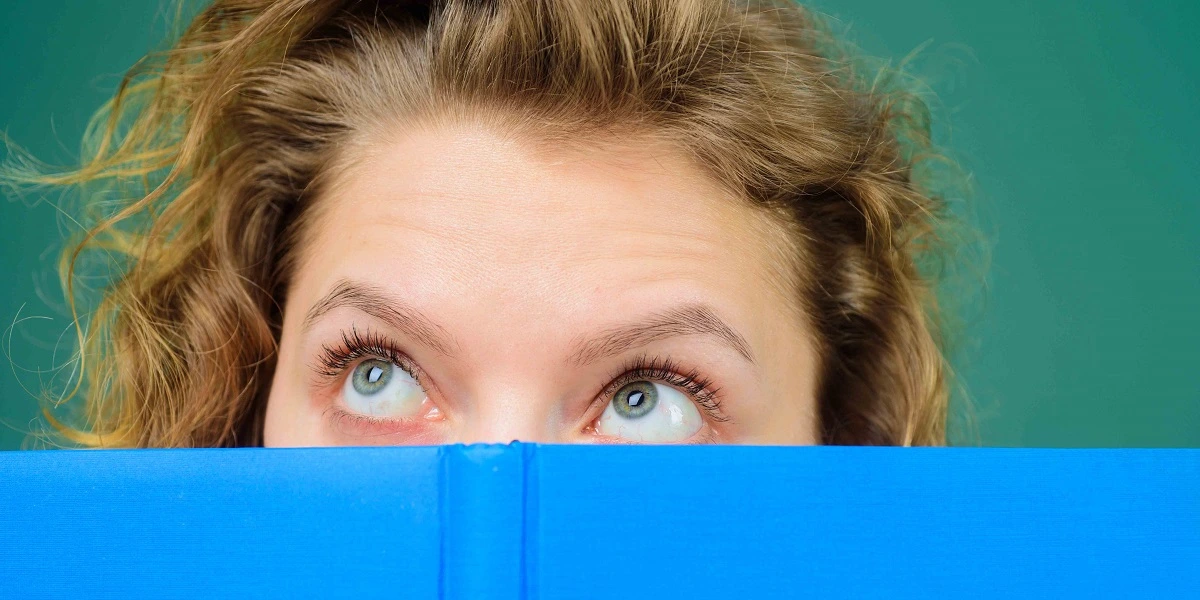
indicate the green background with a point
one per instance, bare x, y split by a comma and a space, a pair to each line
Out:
1078, 122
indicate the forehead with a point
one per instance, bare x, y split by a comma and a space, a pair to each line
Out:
458, 217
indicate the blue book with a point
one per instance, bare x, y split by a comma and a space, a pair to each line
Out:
533, 521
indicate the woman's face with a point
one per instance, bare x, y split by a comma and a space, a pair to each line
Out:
458, 285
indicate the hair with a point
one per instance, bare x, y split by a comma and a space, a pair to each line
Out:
220, 144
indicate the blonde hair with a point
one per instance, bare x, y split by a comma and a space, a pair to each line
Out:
227, 137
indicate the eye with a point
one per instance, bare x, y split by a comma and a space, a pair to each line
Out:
380, 388
646, 411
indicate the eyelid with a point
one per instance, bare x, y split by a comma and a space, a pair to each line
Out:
699, 389
360, 425
706, 435
335, 361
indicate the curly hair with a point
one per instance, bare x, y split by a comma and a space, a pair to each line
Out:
220, 143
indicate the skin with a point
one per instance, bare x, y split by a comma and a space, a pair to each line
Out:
516, 255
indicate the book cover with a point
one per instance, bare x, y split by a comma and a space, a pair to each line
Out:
533, 521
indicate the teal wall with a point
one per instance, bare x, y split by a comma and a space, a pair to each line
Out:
1078, 122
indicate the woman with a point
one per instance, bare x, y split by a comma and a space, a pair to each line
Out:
383, 222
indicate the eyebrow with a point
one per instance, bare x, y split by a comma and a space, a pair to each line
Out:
687, 319
385, 307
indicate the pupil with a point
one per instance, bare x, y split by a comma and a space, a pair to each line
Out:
376, 373
635, 398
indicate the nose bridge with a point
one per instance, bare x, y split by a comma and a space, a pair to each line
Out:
512, 384
502, 415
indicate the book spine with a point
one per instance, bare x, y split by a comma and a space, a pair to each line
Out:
483, 509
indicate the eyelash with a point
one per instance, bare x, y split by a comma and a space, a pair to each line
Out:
643, 368
334, 360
